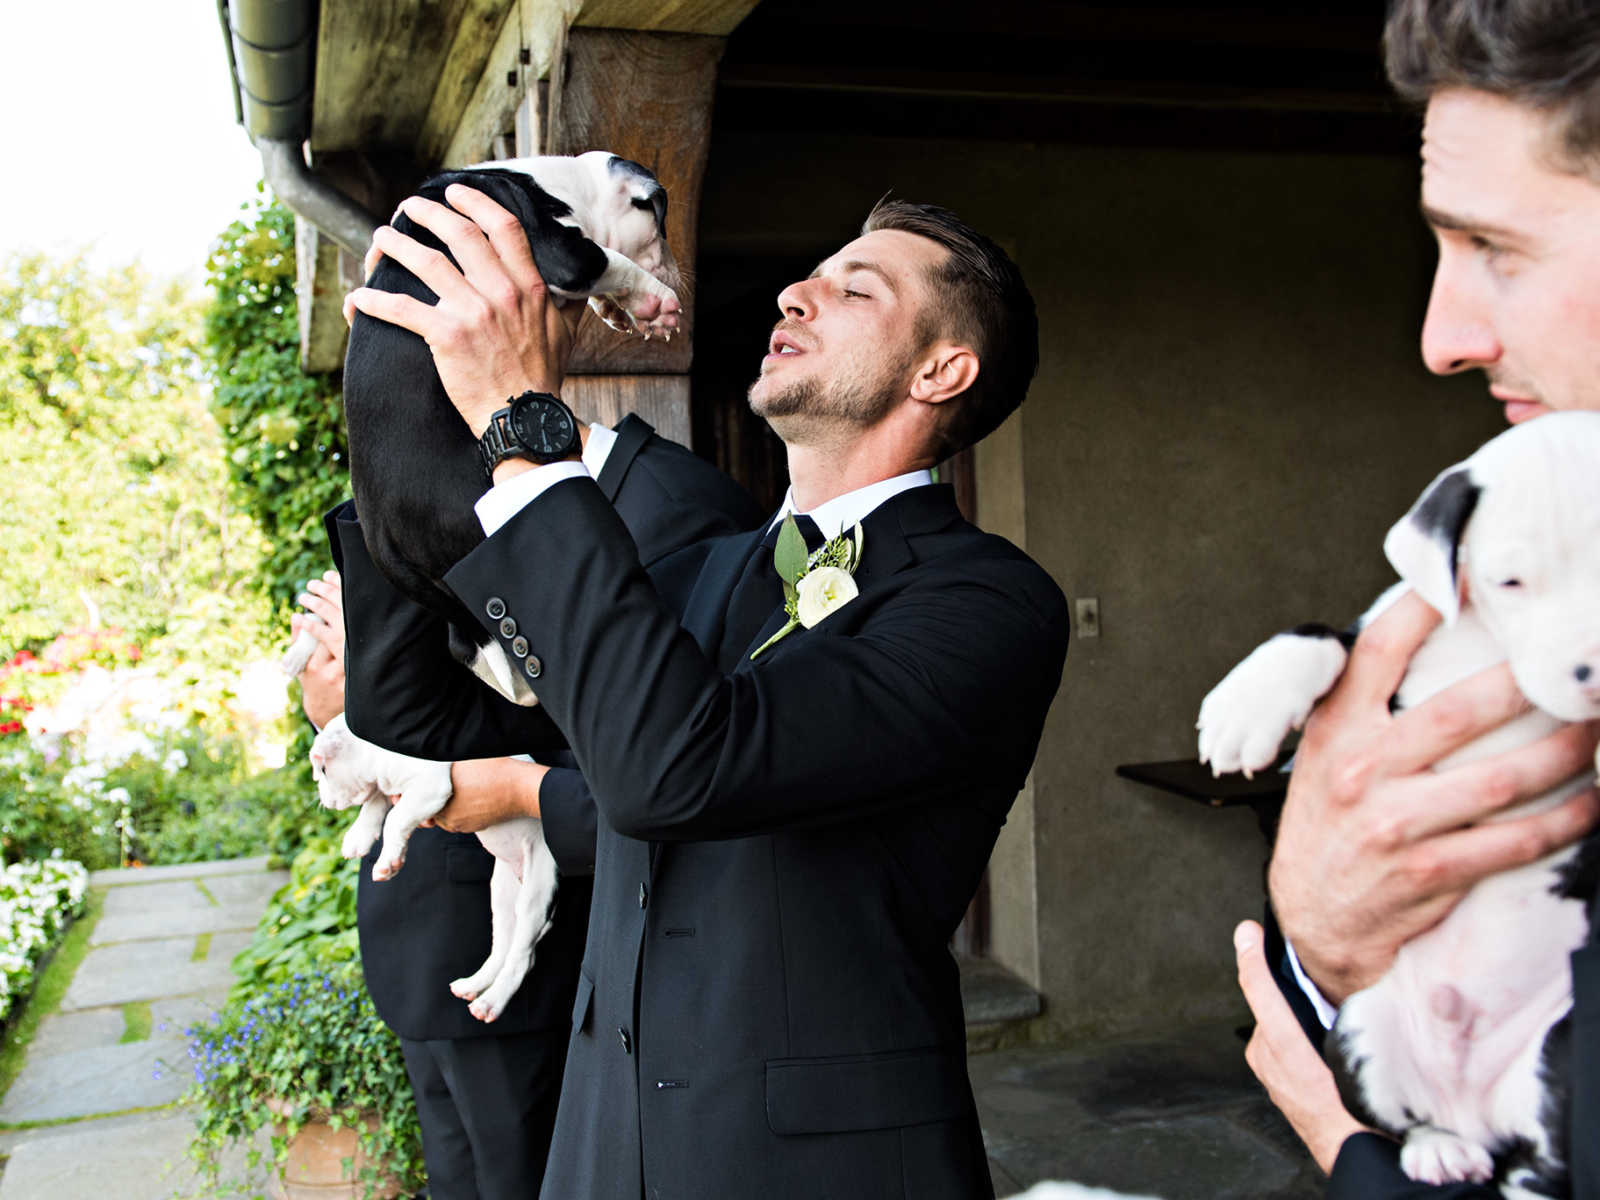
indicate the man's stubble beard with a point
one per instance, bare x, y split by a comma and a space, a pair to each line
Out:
858, 401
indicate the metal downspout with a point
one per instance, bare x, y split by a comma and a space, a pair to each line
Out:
271, 45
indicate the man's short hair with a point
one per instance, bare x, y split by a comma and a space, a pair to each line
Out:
979, 300
1542, 53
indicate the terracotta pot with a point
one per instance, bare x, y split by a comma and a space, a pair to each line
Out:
314, 1169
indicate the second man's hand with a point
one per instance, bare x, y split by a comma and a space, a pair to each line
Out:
1374, 846
487, 791
495, 332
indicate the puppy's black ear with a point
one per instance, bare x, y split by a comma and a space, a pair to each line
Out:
653, 195
1424, 545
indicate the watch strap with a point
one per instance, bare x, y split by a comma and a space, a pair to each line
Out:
498, 443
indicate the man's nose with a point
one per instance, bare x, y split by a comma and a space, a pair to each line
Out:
797, 301
1457, 333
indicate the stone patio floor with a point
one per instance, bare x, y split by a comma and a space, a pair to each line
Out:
93, 1116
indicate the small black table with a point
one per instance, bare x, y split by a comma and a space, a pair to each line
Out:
1192, 779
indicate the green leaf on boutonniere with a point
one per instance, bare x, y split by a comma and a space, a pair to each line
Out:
790, 558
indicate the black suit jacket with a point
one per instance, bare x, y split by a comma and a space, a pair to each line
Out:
768, 1005
430, 923
1368, 1165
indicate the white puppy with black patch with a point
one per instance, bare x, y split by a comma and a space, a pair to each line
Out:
350, 771
1460, 1049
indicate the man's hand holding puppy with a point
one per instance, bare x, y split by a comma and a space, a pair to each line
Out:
1374, 846
494, 332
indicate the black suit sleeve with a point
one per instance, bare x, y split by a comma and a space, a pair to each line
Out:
404, 690
1368, 1168
955, 677
1585, 1127
1277, 952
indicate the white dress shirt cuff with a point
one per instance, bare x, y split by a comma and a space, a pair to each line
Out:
505, 500
1326, 1012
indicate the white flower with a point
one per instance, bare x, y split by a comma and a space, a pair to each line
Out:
175, 761
118, 796
821, 591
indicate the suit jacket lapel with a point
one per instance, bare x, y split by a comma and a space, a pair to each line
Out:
886, 529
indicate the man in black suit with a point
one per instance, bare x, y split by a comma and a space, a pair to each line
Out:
787, 836
486, 1093
1375, 846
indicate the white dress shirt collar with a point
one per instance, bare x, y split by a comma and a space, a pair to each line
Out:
842, 512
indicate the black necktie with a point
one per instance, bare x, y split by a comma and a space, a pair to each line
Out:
758, 594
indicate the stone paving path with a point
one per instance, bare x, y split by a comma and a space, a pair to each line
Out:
1179, 1117
158, 959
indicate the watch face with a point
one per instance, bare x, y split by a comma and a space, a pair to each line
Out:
544, 426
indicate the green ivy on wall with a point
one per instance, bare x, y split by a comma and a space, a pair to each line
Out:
283, 429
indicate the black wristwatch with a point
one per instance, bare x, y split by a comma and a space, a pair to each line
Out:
534, 425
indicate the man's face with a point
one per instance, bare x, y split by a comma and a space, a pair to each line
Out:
849, 336
1517, 292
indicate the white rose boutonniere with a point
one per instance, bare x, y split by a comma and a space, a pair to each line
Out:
813, 585
822, 591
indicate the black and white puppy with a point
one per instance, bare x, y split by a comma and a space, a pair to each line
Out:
1461, 1048
596, 224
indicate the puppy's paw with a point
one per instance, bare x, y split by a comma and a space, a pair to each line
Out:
1437, 1156
357, 841
492, 1003
613, 314
1244, 719
388, 865
470, 987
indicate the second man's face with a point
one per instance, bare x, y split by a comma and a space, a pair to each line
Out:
1517, 292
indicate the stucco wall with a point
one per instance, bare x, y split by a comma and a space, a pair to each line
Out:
1230, 412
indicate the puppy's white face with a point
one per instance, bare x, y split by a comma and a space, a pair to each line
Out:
629, 214
339, 766
1531, 560
1516, 530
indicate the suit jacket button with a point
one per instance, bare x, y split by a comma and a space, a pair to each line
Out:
496, 608
519, 647
533, 666
508, 628
643, 895
627, 1042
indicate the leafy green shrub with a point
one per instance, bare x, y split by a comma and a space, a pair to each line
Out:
36, 900
310, 921
117, 509
180, 797
314, 1046
283, 430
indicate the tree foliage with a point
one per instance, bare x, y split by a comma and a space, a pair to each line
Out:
118, 506
283, 429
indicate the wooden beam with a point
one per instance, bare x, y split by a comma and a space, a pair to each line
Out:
538, 27
645, 96
378, 64
718, 17
663, 400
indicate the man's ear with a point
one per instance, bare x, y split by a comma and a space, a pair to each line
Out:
945, 371
1424, 545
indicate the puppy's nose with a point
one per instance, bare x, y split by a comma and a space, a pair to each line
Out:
1582, 672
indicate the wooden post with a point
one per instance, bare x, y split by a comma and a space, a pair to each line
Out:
645, 96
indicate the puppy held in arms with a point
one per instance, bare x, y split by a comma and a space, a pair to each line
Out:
350, 771
596, 225
1461, 1048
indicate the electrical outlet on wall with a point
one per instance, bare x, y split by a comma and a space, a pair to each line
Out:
1086, 617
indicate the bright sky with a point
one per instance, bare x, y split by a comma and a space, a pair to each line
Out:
119, 131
